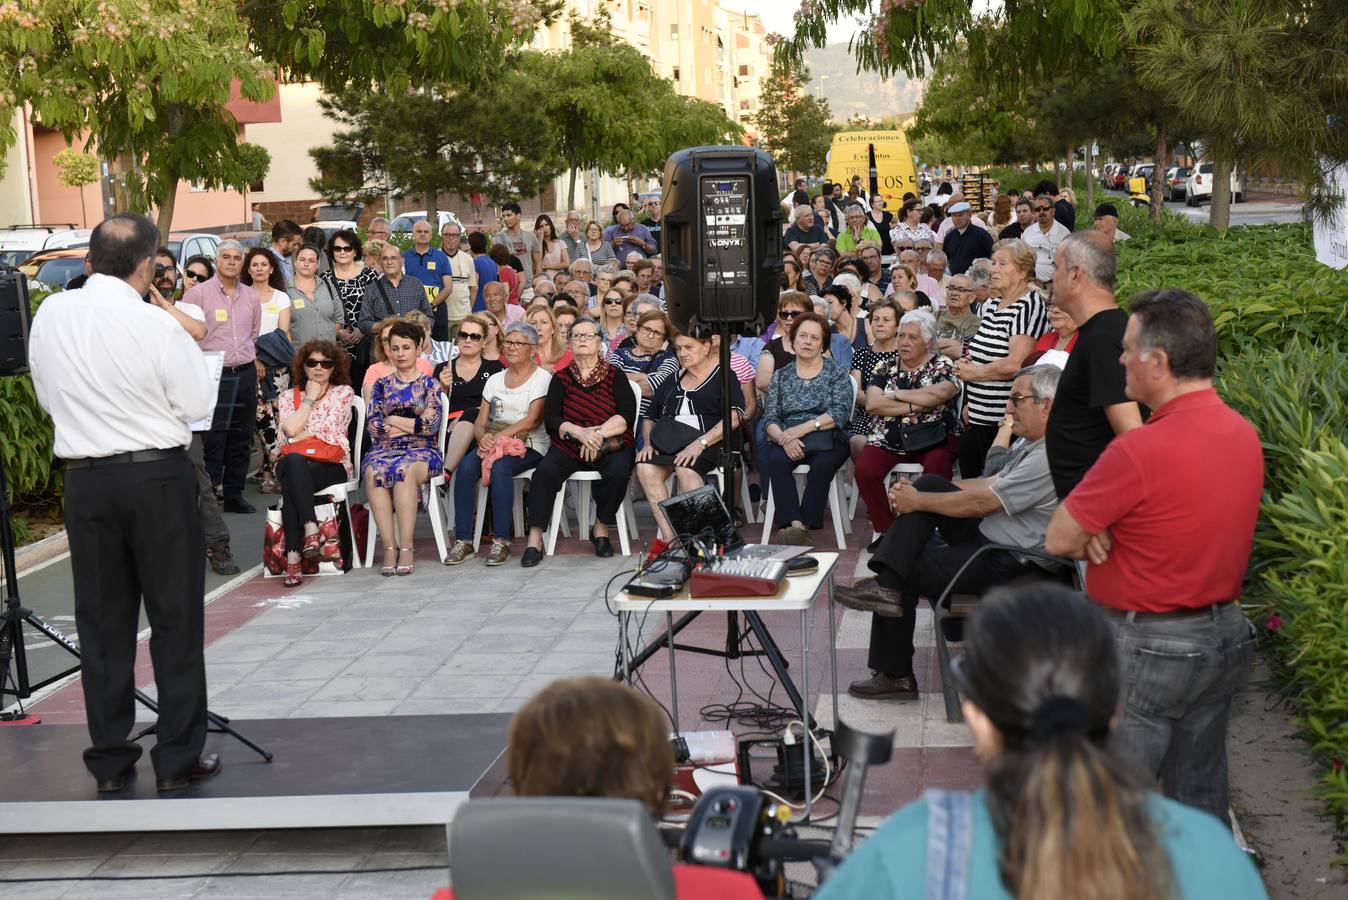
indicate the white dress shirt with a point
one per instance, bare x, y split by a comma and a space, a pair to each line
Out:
115, 373
1045, 247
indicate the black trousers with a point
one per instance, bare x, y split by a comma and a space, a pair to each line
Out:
135, 531
299, 478
905, 562
615, 469
974, 446
229, 443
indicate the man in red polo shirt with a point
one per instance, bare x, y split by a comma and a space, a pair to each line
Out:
1166, 519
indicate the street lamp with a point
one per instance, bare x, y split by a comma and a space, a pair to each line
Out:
820, 92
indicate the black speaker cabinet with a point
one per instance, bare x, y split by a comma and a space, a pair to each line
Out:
722, 239
13, 322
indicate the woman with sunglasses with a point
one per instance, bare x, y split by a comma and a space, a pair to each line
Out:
589, 412
315, 415
512, 407
777, 353
347, 279
613, 316
404, 427
315, 311
462, 379
553, 353
195, 271
1059, 815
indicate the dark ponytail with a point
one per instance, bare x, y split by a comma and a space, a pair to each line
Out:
1040, 662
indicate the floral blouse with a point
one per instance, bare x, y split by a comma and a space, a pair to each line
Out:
328, 420
893, 377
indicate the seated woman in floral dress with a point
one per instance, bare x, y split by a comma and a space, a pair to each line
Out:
404, 426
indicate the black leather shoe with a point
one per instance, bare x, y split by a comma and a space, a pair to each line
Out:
238, 505
884, 687
207, 765
603, 547
868, 595
532, 557
117, 782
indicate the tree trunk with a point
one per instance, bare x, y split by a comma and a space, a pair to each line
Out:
571, 190
1162, 159
1070, 157
1219, 216
432, 210
165, 205
84, 215
1090, 178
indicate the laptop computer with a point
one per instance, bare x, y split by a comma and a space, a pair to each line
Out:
701, 515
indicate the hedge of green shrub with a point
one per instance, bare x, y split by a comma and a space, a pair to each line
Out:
35, 479
1282, 324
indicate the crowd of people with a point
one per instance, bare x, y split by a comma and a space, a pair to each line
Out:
922, 344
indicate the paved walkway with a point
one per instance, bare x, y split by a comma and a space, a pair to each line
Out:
449, 640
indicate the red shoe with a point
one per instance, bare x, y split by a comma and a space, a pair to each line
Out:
328, 532
293, 577
312, 545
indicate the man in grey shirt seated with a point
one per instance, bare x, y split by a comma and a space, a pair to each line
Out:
1011, 504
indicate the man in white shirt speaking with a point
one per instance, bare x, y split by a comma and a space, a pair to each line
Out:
122, 380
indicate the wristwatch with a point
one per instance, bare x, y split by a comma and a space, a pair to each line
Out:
703, 442
816, 424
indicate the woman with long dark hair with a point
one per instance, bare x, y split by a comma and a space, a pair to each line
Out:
1060, 816
555, 255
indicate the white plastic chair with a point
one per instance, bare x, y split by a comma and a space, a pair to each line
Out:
341, 493
580, 483
433, 484
840, 525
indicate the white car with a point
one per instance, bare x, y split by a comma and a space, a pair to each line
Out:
1199, 186
403, 223
18, 242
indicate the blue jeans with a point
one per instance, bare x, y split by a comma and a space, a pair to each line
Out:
501, 491
1179, 678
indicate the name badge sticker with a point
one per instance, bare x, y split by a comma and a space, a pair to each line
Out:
222, 315
298, 304
430, 265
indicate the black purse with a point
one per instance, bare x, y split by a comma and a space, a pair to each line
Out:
920, 436
669, 436
817, 442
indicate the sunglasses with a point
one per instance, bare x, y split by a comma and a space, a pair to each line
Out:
470, 336
790, 314
195, 276
1042, 208
319, 363
343, 248
613, 301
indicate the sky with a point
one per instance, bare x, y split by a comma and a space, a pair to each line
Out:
780, 16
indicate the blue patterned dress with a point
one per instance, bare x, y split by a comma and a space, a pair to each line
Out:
390, 455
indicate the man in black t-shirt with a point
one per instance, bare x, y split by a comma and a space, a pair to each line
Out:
1090, 406
1024, 219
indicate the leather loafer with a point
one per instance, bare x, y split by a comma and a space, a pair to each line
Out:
869, 596
532, 557
603, 547
238, 505
884, 687
207, 765
117, 782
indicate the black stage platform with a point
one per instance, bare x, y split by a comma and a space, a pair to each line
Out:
327, 773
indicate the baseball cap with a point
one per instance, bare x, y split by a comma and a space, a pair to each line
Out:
1106, 209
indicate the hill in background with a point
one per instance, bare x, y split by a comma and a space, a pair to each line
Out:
851, 93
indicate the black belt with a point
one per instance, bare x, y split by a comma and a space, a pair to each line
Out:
133, 456
240, 368
1188, 612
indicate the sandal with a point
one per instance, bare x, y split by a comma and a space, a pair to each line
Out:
311, 546
389, 570
269, 486
409, 568
293, 577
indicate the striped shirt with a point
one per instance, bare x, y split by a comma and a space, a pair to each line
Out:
992, 342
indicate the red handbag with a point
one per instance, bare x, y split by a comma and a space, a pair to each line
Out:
312, 447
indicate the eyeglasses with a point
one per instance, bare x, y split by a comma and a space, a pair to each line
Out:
319, 363
343, 248
959, 290
613, 301
194, 275
515, 345
470, 336
651, 332
584, 336
1042, 208
391, 259
1016, 398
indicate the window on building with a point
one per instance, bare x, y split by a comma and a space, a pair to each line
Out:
256, 187
676, 74
744, 104
674, 32
744, 71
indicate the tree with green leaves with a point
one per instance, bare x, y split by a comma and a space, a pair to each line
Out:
793, 125
77, 170
494, 139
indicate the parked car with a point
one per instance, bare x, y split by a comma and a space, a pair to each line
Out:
403, 223
1107, 174
187, 244
248, 238
19, 242
1199, 185
1120, 179
1175, 177
54, 268
332, 226
333, 212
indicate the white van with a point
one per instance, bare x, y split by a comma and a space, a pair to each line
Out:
18, 242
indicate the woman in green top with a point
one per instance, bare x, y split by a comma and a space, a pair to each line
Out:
1061, 816
856, 228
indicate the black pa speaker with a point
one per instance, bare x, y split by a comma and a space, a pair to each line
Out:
13, 322
722, 239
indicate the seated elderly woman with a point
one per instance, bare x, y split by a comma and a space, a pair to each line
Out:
910, 403
1063, 336
510, 439
404, 426
495, 295
589, 412
315, 453
804, 417
648, 364
680, 435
